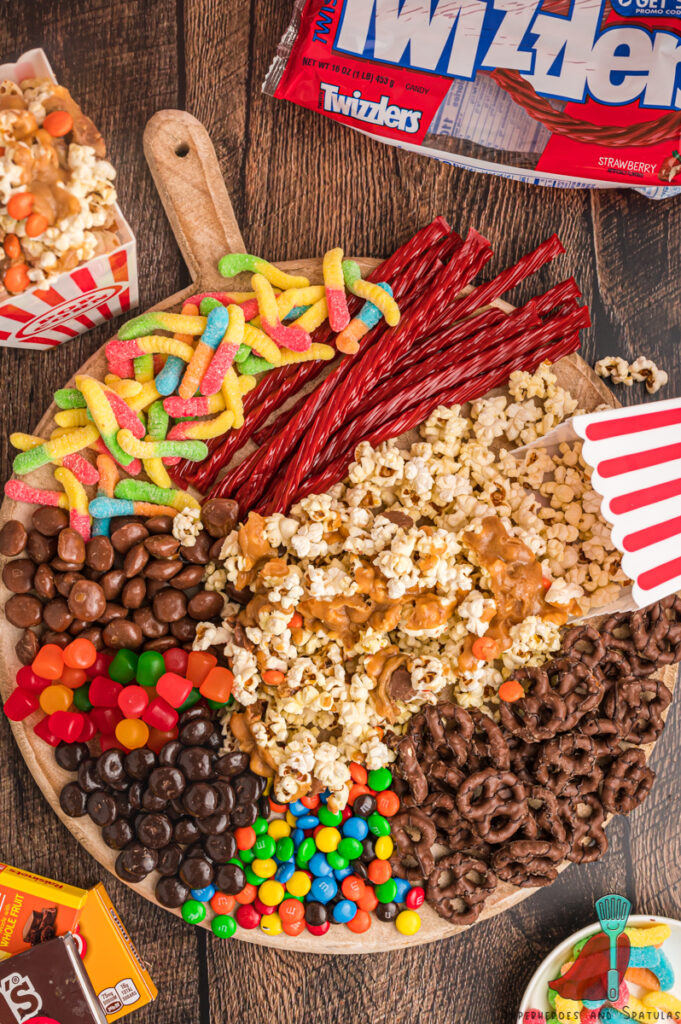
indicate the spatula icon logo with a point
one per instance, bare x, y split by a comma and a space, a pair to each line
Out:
601, 965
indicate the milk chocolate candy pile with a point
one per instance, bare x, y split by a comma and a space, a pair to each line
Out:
141, 589
485, 802
173, 813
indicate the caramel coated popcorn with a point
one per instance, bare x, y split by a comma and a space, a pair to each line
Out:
67, 177
369, 600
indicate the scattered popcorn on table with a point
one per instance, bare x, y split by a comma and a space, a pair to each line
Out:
446, 564
622, 372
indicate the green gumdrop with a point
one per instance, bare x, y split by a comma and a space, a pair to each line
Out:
122, 668
69, 398
150, 668
351, 272
207, 304
139, 326
193, 698
81, 699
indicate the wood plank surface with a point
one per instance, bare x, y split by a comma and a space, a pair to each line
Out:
300, 183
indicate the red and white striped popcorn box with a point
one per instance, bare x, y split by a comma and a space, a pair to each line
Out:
102, 288
635, 456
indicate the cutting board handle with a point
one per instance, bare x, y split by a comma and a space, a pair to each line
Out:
184, 166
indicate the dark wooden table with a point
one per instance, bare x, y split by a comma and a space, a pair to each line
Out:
301, 184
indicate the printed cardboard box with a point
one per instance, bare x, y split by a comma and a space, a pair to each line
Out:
48, 315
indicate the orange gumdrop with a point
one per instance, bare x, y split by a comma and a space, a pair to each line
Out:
73, 677
218, 684
80, 653
199, 665
48, 662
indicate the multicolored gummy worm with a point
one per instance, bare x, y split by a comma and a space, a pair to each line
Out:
235, 263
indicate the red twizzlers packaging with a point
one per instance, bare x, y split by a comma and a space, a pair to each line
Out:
571, 93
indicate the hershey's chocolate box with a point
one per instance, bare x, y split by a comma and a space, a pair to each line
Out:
48, 982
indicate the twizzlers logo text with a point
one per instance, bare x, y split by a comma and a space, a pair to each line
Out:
566, 56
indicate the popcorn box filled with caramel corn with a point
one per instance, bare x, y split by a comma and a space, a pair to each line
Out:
35, 909
67, 255
119, 977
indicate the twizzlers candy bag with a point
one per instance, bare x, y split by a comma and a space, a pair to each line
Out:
572, 93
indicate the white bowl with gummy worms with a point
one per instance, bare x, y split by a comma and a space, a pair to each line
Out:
535, 996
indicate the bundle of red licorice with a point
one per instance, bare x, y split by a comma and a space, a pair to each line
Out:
451, 346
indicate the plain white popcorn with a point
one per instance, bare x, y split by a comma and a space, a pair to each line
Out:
442, 565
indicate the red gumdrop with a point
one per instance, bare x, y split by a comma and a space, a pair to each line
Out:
100, 666
48, 662
176, 660
104, 692
20, 704
107, 742
88, 731
132, 700
42, 729
28, 680
199, 665
105, 720
173, 688
67, 725
319, 929
415, 897
158, 739
160, 715
247, 916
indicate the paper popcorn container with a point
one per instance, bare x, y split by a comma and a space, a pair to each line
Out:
102, 288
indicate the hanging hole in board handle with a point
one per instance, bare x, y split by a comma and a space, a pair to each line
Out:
182, 149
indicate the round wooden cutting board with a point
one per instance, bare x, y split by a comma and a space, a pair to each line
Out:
186, 172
